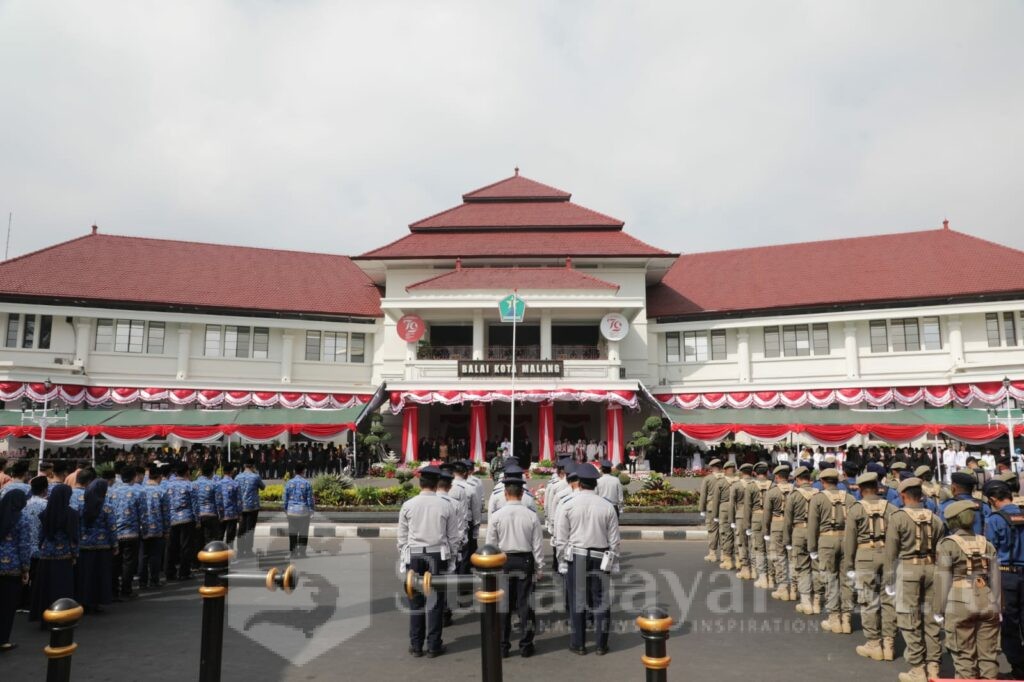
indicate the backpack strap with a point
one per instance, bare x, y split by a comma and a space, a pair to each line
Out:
974, 549
922, 518
875, 510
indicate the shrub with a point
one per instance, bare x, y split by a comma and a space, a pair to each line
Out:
272, 493
404, 474
624, 478
656, 482
327, 489
661, 498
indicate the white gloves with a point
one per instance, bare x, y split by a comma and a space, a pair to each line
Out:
749, 532
789, 548
938, 619
563, 567
851, 574
767, 538
703, 515
451, 565
733, 526
891, 591
814, 556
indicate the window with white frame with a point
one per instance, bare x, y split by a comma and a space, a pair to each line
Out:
796, 340
695, 346
992, 330
335, 346
1010, 329
212, 344
819, 337
312, 345
931, 333
672, 347
129, 336
234, 341
906, 335
719, 350
772, 342
879, 336
28, 331
13, 330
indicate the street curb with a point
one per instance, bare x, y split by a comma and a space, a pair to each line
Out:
332, 530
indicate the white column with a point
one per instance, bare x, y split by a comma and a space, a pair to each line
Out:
478, 334
743, 353
956, 339
184, 350
83, 339
852, 350
287, 356
545, 335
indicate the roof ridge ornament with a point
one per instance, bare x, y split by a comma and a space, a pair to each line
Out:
945, 224
516, 169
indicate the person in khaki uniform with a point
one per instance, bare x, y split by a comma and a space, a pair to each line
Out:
910, 542
967, 595
773, 520
722, 510
826, 525
708, 493
864, 563
741, 525
794, 535
933, 491
756, 531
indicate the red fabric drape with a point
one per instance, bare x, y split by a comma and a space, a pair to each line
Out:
478, 432
614, 429
410, 433
897, 433
546, 431
704, 431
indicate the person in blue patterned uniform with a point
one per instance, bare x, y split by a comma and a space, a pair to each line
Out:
183, 520
155, 522
230, 507
59, 536
15, 559
19, 479
125, 499
249, 486
96, 549
208, 503
298, 507
82, 481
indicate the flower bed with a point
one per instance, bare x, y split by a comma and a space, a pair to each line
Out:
661, 498
368, 497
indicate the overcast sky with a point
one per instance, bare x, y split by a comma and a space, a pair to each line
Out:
331, 126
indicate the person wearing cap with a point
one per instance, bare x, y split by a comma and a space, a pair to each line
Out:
1005, 530
961, 487
1013, 483
497, 498
740, 524
851, 470
467, 489
753, 523
967, 596
428, 537
708, 494
896, 470
886, 487
826, 525
794, 537
609, 486
590, 527
910, 541
723, 512
774, 526
444, 488
560, 543
821, 464
864, 563
517, 532
551, 491
934, 493
155, 526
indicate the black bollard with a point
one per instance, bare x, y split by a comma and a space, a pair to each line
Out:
215, 558
62, 617
489, 562
654, 624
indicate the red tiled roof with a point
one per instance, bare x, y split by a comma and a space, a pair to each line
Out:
512, 278
108, 268
929, 264
517, 187
540, 244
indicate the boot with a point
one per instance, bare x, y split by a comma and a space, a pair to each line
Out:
888, 648
832, 624
793, 593
932, 670
744, 573
711, 558
915, 674
761, 582
727, 564
871, 649
805, 606
782, 594
817, 604
847, 620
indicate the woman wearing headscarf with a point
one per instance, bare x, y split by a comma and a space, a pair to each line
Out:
58, 550
15, 558
93, 574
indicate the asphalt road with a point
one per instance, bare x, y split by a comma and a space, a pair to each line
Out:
345, 623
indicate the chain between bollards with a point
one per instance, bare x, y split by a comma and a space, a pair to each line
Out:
654, 624
62, 617
215, 558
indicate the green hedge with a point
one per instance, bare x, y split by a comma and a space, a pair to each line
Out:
369, 496
661, 498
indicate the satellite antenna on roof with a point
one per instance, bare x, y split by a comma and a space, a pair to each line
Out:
10, 219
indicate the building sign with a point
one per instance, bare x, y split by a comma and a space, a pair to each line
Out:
512, 308
614, 327
525, 369
411, 328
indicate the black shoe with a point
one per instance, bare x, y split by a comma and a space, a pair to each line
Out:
437, 652
416, 653
7, 646
506, 653
582, 651
526, 651
601, 650
447, 619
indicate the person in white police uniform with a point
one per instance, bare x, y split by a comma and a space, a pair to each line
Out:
559, 542
497, 499
589, 527
609, 486
428, 535
517, 532
551, 492
444, 491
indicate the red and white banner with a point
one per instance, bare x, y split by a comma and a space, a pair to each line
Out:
614, 432
130, 435
400, 399
989, 393
478, 432
546, 432
411, 434
98, 395
836, 434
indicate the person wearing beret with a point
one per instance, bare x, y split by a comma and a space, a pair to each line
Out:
967, 595
961, 487
774, 526
757, 491
722, 509
1005, 530
740, 524
709, 494
910, 541
590, 528
826, 525
428, 540
864, 563
794, 535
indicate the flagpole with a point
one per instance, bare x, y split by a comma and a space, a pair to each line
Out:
515, 316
